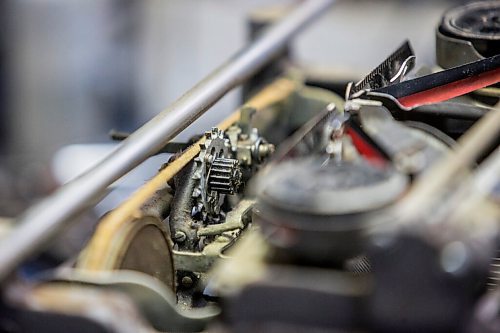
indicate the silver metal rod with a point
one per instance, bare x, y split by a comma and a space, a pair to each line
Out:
44, 220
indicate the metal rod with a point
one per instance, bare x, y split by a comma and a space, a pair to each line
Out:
44, 220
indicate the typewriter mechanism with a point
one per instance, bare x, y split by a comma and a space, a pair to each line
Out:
317, 205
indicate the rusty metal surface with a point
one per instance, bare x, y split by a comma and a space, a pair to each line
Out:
101, 242
235, 219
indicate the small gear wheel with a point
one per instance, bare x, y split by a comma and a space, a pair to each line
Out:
208, 202
224, 176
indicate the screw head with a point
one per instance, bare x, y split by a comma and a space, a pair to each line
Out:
179, 236
187, 281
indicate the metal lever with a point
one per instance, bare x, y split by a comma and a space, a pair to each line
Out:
390, 71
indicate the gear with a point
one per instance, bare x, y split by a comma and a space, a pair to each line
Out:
224, 176
208, 202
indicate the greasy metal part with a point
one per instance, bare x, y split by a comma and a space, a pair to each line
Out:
181, 222
100, 244
197, 201
207, 202
46, 219
249, 148
237, 218
203, 261
159, 203
436, 272
224, 176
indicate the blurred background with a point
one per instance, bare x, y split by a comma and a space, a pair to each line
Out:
71, 70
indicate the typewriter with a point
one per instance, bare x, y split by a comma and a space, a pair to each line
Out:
318, 205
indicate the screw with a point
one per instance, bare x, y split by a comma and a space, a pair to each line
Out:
179, 236
186, 281
265, 150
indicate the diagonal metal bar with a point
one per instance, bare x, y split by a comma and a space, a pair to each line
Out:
44, 220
